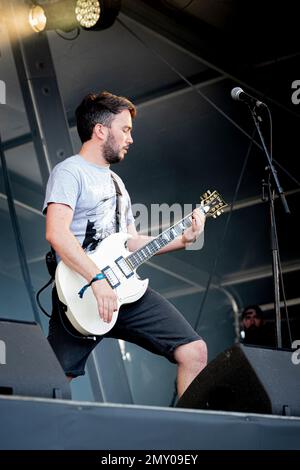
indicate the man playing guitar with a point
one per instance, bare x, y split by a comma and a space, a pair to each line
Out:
80, 207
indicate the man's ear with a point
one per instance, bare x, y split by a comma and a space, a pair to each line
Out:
100, 131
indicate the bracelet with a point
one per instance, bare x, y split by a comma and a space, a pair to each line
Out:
98, 277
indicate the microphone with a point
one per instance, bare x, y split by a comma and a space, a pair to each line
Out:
238, 94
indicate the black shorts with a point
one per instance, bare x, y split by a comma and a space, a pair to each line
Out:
151, 322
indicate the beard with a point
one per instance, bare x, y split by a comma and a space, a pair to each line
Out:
110, 152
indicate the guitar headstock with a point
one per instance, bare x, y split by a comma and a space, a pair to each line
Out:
212, 203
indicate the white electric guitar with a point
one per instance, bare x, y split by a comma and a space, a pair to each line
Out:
119, 266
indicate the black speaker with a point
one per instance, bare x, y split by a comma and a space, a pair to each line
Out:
247, 379
28, 365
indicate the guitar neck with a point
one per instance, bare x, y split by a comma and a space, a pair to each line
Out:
140, 256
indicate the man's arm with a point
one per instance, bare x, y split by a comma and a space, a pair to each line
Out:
188, 237
59, 235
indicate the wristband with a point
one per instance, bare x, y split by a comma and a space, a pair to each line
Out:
98, 277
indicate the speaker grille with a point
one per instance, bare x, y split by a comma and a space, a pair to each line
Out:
246, 379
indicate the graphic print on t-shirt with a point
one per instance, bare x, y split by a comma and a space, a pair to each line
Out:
101, 222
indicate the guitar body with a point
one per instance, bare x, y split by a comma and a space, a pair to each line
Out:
83, 312
119, 266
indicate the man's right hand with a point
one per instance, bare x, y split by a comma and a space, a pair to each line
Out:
106, 299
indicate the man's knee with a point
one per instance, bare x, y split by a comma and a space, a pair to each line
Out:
193, 354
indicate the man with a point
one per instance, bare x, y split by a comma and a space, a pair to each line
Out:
81, 211
254, 329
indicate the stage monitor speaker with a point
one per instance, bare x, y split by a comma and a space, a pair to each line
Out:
247, 379
28, 365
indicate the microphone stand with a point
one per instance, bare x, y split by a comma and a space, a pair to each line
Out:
273, 231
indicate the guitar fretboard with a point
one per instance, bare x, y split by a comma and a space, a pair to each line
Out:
138, 257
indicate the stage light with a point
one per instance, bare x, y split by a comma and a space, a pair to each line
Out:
87, 12
37, 18
67, 15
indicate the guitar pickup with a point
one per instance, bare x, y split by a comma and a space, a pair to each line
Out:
111, 277
124, 267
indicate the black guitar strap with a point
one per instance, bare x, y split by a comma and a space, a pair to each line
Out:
118, 203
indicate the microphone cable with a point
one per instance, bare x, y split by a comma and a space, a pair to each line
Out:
276, 236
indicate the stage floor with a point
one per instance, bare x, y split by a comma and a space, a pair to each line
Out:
45, 424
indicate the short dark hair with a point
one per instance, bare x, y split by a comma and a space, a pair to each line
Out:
256, 308
99, 108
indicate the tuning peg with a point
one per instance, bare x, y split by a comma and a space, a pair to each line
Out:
209, 192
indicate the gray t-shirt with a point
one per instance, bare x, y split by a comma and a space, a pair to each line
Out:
89, 190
